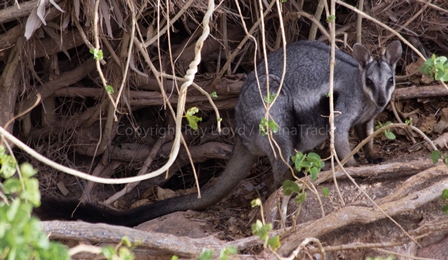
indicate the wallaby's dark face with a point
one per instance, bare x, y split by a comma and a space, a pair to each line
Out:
378, 76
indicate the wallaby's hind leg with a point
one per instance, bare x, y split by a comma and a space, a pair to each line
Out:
362, 131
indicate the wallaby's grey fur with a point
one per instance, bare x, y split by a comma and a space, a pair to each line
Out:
362, 88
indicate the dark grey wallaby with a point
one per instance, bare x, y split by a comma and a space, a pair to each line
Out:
362, 88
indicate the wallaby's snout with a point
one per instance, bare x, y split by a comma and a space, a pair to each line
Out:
382, 101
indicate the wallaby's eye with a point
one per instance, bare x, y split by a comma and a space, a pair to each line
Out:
390, 81
369, 82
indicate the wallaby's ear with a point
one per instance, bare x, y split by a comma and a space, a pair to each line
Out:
361, 54
393, 53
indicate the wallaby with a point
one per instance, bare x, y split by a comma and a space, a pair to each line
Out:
362, 88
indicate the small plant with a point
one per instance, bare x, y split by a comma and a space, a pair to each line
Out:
436, 155
192, 119
207, 254
268, 125
119, 251
261, 229
97, 54
224, 254
444, 197
270, 98
214, 94
326, 192
290, 187
387, 132
436, 67
110, 89
21, 235
310, 163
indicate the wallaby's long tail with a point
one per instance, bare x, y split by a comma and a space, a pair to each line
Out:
237, 168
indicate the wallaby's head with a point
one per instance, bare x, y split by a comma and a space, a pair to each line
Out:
378, 75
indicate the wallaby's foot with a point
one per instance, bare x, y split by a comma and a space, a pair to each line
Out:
351, 163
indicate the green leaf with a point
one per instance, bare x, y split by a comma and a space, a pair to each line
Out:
260, 230
314, 158
313, 173
126, 241
274, 242
224, 254
300, 198
263, 126
444, 194
110, 89
331, 18
326, 191
255, 203
309, 163
13, 209
409, 121
389, 135
214, 94
97, 54
206, 254
436, 67
267, 125
11, 186
192, 119
381, 124
445, 209
256, 227
27, 170
192, 110
125, 254
174, 257
444, 76
428, 67
298, 159
108, 252
31, 192
290, 187
273, 126
9, 166
269, 99
435, 156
